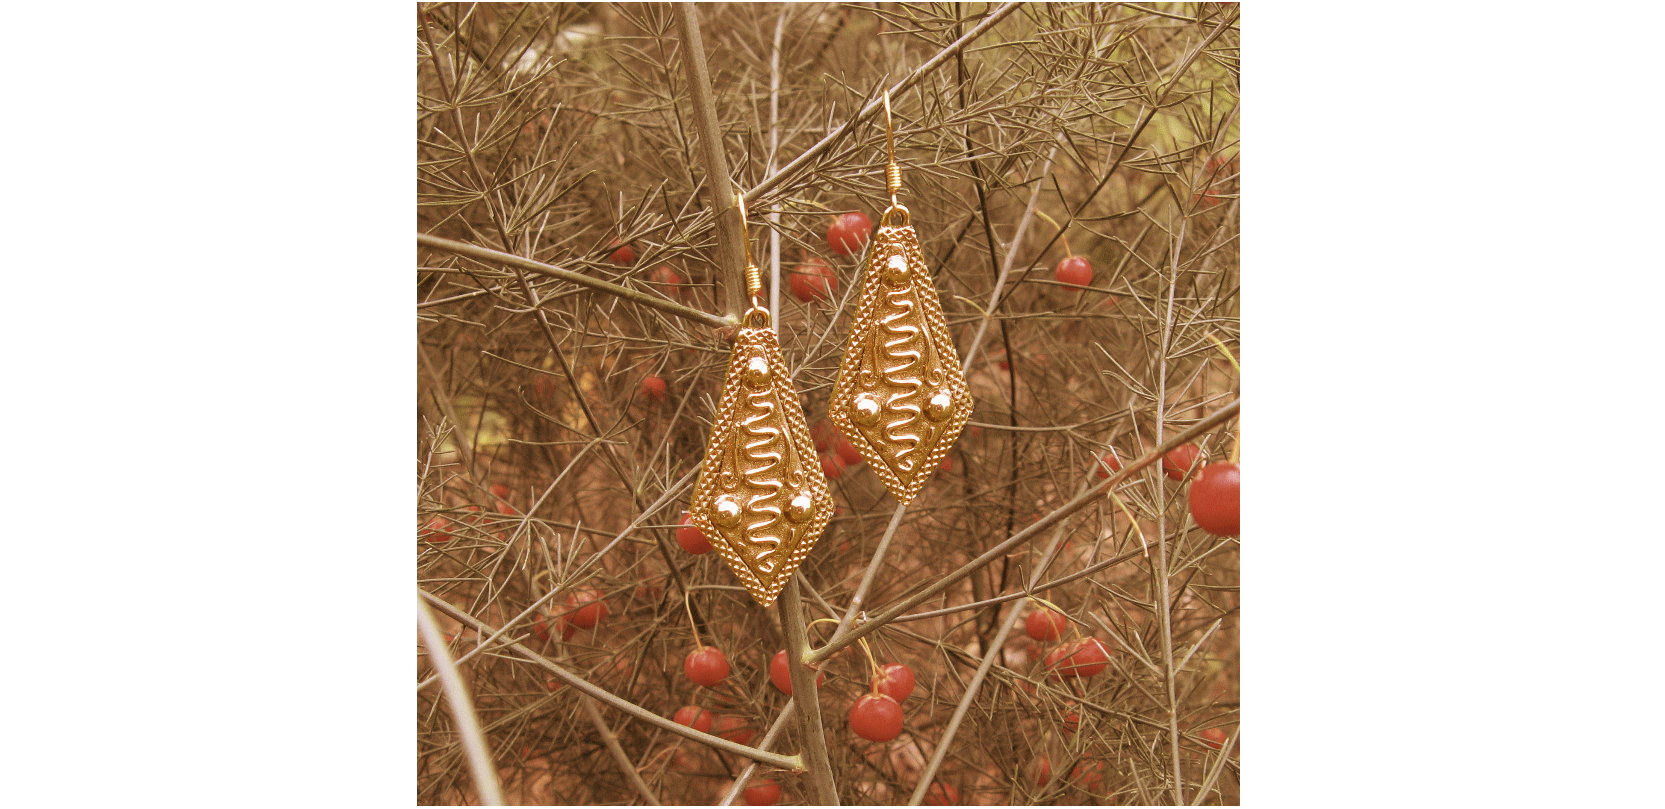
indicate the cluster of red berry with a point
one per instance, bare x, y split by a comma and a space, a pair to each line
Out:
669, 282
838, 453
1083, 657
707, 666
814, 279
876, 716
1214, 496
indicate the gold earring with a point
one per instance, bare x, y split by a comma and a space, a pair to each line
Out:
761, 497
901, 396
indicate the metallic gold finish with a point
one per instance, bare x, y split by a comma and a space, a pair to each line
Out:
761, 498
893, 172
901, 397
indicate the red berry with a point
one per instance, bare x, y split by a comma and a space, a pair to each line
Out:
1179, 460
1040, 771
1214, 499
707, 666
1090, 775
435, 530
555, 683
895, 680
781, 676
1090, 658
1108, 464
1072, 721
1054, 661
666, 277
591, 609
539, 627
762, 793
822, 432
1216, 179
734, 728
832, 467
1045, 625
1214, 737
653, 387
501, 491
567, 629
683, 759
1075, 271
941, 794
876, 717
847, 451
1084, 658
694, 716
848, 233
624, 255
813, 280
690, 537
947, 464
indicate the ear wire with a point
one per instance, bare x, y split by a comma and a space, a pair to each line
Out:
754, 276
893, 172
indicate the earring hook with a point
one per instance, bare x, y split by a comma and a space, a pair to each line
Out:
758, 315
893, 172
754, 276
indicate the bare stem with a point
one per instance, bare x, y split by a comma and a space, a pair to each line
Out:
539, 268
462, 708
731, 257
803, 683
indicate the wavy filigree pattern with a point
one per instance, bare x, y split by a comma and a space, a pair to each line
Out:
901, 360
762, 498
763, 463
901, 397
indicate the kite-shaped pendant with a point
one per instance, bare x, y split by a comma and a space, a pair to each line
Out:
761, 498
901, 397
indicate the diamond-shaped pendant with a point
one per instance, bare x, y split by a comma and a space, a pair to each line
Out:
761, 498
901, 397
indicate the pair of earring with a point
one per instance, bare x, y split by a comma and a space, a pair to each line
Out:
901, 398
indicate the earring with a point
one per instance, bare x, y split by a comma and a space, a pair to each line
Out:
761, 498
901, 397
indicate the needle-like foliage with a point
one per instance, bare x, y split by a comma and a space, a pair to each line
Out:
552, 473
